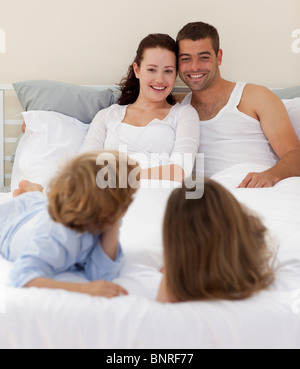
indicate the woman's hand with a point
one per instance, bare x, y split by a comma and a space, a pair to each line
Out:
103, 288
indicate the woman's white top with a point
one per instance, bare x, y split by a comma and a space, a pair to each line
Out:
173, 140
233, 137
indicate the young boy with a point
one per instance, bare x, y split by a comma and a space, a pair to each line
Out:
74, 228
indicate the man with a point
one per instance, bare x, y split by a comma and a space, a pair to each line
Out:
239, 122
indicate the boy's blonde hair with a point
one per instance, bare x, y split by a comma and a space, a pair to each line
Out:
213, 247
77, 201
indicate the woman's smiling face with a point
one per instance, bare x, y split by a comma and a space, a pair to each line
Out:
157, 74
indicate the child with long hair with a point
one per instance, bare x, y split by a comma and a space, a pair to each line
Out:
214, 248
74, 228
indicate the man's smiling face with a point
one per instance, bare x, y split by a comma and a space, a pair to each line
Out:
198, 63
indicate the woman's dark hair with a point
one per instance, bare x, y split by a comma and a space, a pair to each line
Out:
130, 85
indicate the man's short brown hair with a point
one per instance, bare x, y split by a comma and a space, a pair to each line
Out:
198, 31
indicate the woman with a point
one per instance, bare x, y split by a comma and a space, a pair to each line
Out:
163, 137
146, 120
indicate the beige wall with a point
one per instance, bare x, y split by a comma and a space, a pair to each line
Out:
93, 41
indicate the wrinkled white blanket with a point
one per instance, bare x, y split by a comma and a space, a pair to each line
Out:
36, 318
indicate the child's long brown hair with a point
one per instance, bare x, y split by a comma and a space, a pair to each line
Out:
213, 247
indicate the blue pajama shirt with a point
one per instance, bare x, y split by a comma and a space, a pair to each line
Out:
40, 247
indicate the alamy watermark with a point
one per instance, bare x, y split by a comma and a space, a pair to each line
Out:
194, 183
296, 42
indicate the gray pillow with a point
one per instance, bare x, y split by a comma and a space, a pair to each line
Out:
79, 102
288, 93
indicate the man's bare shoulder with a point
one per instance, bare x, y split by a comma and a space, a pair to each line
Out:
257, 92
260, 98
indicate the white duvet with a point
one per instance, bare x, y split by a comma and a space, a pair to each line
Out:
33, 318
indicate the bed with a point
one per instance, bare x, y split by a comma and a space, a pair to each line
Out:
42, 318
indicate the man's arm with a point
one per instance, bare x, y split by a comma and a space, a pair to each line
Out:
261, 103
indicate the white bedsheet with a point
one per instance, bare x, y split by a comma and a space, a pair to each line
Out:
57, 319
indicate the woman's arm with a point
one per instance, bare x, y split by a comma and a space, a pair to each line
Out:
166, 172
187, 140
97, 288
96, 135
185, 149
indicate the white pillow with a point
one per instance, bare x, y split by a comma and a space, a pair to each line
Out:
293, 108
50, 140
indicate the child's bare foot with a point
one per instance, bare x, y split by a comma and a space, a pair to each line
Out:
26, 186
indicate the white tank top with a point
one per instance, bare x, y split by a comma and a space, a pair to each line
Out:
233, 137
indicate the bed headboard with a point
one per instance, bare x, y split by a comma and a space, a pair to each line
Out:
10, 129
1, 137
5, 159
